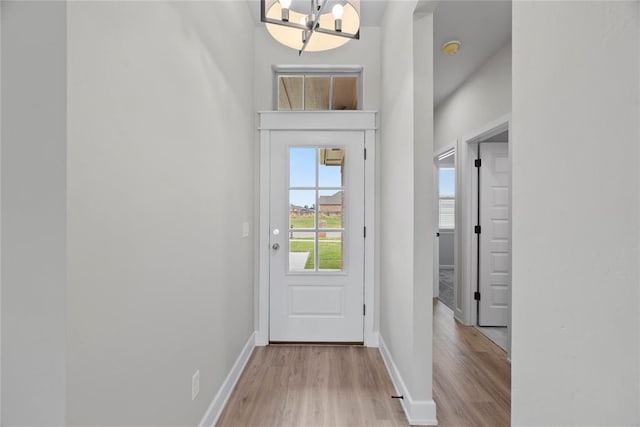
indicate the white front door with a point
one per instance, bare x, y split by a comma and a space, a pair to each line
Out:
316, 236
495, 236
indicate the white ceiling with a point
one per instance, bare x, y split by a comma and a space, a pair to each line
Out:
482, 26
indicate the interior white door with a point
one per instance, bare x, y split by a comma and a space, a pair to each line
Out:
316, 237
495, 236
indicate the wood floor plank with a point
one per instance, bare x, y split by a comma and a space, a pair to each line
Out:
471, 375
311, 385
286, 385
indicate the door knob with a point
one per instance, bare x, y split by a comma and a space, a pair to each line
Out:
275, 246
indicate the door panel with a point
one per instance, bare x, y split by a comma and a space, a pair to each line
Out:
317, 243
495, 256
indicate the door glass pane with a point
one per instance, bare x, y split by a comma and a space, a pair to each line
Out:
301, 251
331, 167
330, 250
316, 93
290, 93
316, 208
345, 93
330, 209
302, 167
302, 209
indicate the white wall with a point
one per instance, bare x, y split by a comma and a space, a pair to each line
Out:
33, 212
484, 97
576, 353
160, 179
396, 184
406, 192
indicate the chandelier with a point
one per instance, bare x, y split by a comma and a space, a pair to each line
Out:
322, 25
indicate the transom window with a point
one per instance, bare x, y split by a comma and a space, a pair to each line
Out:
301, 89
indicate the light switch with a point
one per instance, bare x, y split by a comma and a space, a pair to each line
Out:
245, 229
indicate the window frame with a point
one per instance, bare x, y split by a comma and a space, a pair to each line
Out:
316, 71
447, 197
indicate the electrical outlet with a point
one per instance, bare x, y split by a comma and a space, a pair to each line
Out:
245, 229
195, 385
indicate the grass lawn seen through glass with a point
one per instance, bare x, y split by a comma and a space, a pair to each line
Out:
330, 253
332, 221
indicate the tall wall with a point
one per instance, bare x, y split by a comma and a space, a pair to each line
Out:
576, 192
33, 191
406, 191
160, 179
484, 97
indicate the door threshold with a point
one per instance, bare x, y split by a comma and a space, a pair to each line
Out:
317, 343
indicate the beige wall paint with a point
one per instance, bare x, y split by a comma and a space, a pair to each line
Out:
160, 180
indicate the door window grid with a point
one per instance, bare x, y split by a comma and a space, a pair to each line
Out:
325, 248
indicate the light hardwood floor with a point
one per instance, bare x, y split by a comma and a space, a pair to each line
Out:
286, 385
298, 385
471, 375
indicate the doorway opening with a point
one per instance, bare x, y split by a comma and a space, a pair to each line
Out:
317, 216
490, 245
445, 267
317, 228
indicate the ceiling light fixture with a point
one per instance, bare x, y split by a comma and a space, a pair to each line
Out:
451, 48
312, 30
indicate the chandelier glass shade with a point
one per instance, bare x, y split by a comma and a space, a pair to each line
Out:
312, 25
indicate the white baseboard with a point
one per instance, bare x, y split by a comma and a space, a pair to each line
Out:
262, 338
371, 340
220, 400
418, 412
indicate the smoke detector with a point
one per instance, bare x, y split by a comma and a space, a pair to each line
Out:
451, 47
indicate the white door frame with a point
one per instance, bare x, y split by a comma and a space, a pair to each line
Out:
465, 239
269, 121
452, 146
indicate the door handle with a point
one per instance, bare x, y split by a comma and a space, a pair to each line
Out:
275, 246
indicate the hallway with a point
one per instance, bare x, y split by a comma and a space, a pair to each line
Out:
471, 375
307, 385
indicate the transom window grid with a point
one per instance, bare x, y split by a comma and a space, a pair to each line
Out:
317, 91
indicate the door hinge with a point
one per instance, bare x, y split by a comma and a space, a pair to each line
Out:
365, 232
364, 309
365, 154
476, 296
478, 163
477, 229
